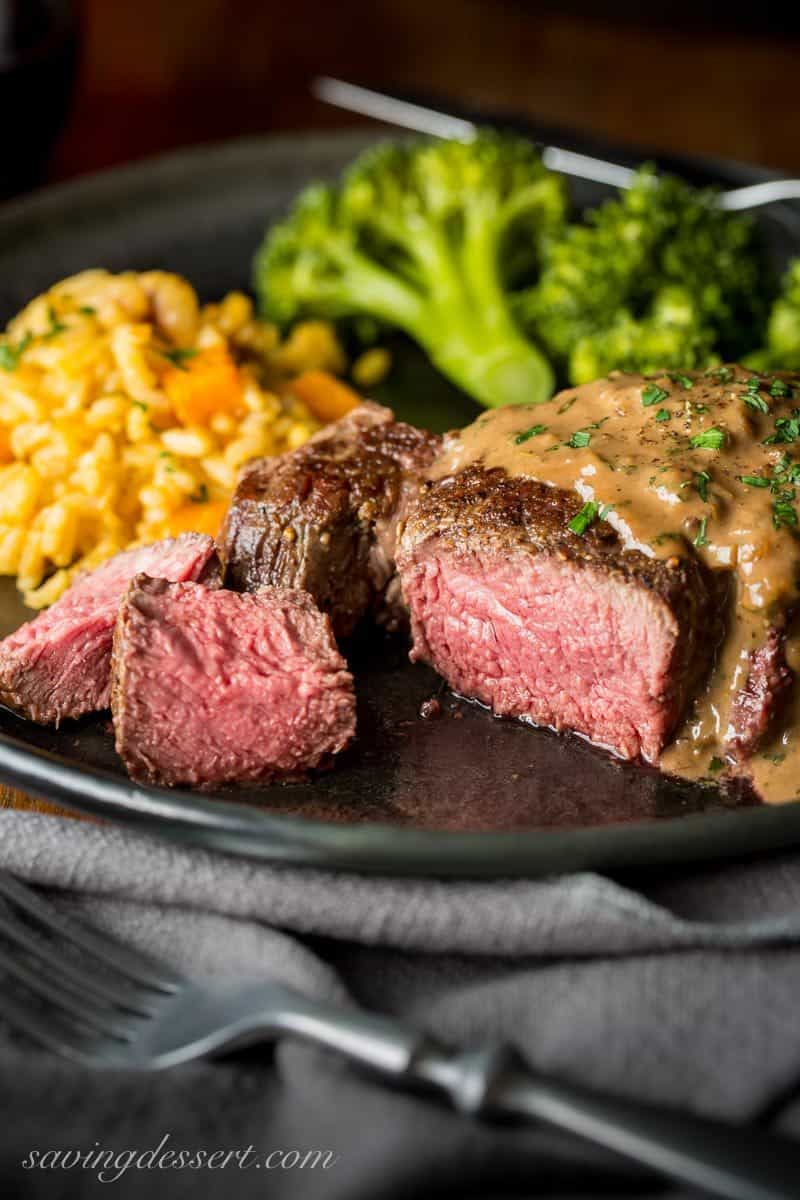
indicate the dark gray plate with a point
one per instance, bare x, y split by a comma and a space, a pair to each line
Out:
464, 794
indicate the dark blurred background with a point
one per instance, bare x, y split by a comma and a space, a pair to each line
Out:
721, 79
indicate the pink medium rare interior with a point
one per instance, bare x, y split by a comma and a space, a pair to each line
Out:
535, 638
60, 662
235, 694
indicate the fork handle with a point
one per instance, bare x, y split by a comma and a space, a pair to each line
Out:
737, 1163
724, 1160
495, 1082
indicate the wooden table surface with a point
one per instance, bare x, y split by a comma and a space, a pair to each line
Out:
12, 799
682, 76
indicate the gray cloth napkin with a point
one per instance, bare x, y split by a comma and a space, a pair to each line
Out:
683, 990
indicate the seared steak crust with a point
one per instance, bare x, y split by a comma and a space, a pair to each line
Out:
541, 623
503, 513
323, 517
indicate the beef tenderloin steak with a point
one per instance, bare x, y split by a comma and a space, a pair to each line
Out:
323, 518
59, 664
568, 631
217, 687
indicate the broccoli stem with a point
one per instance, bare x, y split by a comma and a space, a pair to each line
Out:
490, 360
471, 335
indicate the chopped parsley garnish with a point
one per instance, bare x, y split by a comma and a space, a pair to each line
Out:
200, 496
56, 325
580, 439
702, 539
709, 439
786, 470
784, 513
584, 517
787, 429
178, 357
87, 310
703, 479
752, 395
652, 394
10, 355
716, 765
567, 405
683, 380
140, 404
534, 431
780, 389
663, 414
785, 474
721, 374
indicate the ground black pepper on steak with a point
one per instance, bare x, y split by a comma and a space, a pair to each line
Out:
215, 687
58, 665
324, 517
569, 631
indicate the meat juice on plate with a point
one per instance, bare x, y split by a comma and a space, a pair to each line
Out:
688, 464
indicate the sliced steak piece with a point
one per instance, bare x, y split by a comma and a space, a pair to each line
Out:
214, 687
59, 664
323, 518
536, 622
760, 702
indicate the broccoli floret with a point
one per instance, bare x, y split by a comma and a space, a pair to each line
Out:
782, 348
668, 338
427, 237
603, 286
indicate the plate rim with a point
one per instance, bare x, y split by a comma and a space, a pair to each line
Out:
256, 833
379, 848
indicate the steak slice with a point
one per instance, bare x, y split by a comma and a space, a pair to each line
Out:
59, 664
573, 632
760, 702
323, 518
215, 687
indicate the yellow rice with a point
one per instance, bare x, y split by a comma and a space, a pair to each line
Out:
126, 410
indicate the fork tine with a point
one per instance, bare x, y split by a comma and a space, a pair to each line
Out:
68, 1003
128, 962
47, 1031
97, 988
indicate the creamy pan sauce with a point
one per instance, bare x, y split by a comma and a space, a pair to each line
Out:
705, 464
